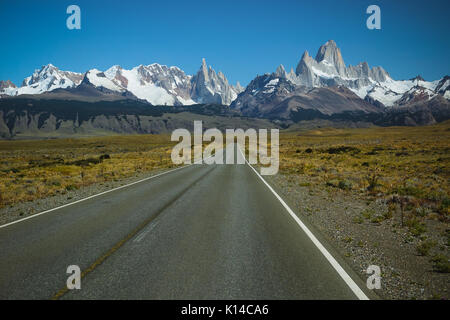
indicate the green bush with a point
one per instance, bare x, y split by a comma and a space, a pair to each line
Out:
367, 213
71, 187
345, 184
416, 227
441, 263
358, 220
424, 247
332, 183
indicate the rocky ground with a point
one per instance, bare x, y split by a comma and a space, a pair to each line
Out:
344, 220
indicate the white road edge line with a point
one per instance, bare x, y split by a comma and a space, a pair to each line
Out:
98, 194
344, 275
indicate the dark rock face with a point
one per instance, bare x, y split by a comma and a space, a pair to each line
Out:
419, 113
327, 101
443, 86
262, 94
276, 97
418, 78
6, 84
414, 95
332, 54
25, 117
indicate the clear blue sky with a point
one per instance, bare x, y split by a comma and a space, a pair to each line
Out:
242, 38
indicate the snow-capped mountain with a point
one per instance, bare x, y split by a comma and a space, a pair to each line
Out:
7, 87
209, 87
155, 83
328, 68
47, 78
374, 85
163, 85
158, 84
271, 96
443, 87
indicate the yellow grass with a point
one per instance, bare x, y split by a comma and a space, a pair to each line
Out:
39, 168
409, 161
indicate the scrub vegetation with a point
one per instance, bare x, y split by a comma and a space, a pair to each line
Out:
409, 166
33, 169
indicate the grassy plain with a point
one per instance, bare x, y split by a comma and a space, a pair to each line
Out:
408, 168
411, 164
33, 169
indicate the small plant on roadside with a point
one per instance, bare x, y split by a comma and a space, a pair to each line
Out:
422, 211
358, 220
424, 247
388, 214
401, 200
347, 239
345, 184
441, 263
447, 236
416, 227
377, 219
367, 213
71, 187
332, 183
372, 179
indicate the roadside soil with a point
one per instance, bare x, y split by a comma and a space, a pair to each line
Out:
337, 214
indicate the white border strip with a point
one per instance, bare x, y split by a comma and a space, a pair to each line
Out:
344, 275
98, 194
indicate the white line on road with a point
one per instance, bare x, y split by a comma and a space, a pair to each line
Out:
98, 194
344, 275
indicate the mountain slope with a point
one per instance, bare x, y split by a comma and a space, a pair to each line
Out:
28, 117
368, 90
157, 84
7, 87
326, 101
373, 84
47, 78
209, 87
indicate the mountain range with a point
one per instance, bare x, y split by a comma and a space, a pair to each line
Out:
156, 84
326, 85
322, 88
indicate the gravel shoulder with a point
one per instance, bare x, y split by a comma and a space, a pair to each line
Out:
337, 214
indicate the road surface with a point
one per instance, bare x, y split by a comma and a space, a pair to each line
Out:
199, 232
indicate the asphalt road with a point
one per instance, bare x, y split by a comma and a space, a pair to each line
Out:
200, 232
